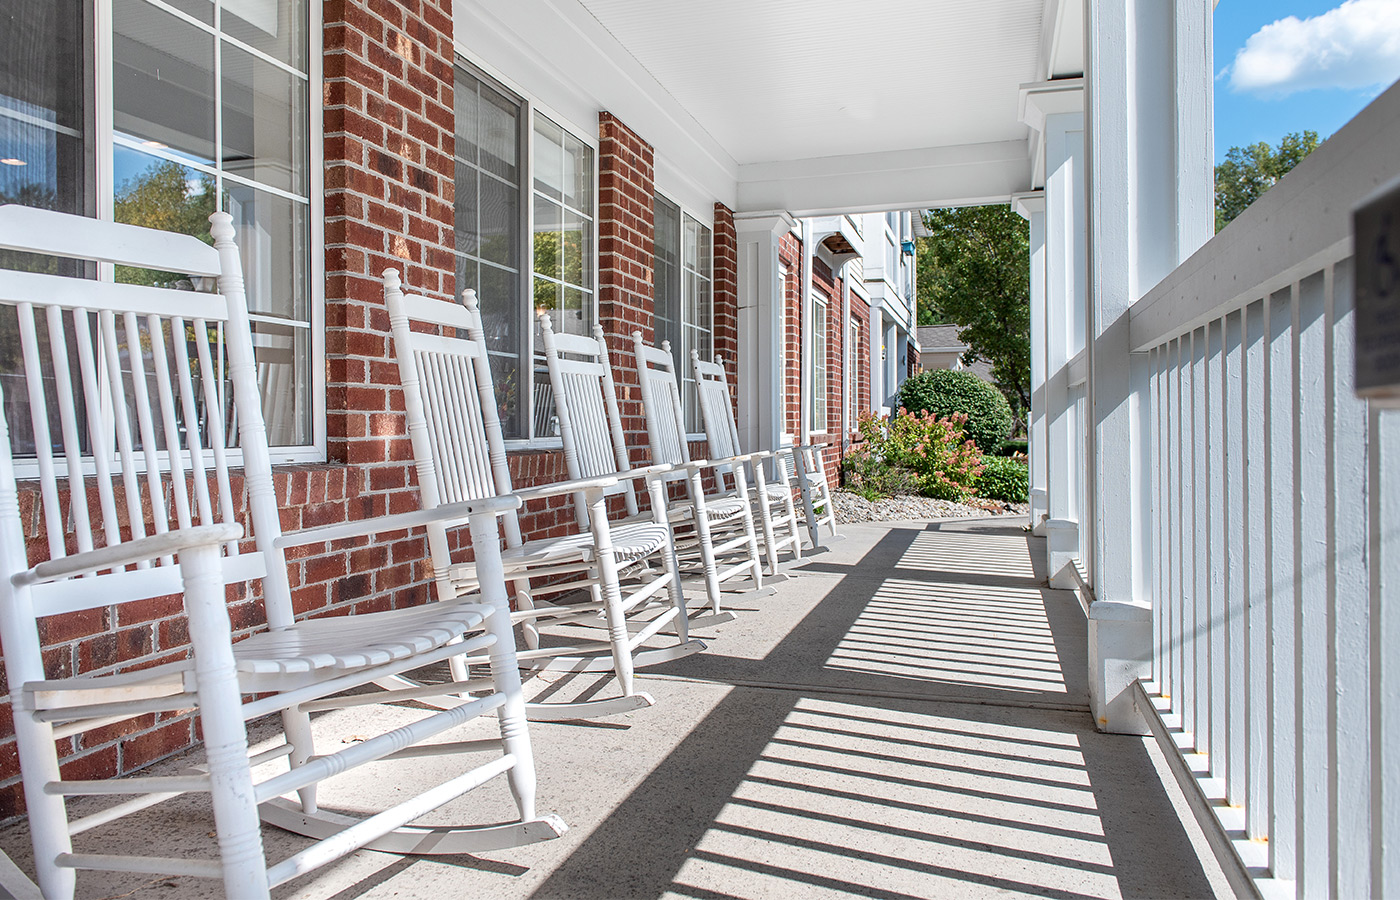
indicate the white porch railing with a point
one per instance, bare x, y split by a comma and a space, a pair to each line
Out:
1276, 524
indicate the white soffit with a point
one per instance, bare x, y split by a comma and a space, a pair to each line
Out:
782, 80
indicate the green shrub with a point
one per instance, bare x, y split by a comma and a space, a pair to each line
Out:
944, 392
1004, 478
913, 453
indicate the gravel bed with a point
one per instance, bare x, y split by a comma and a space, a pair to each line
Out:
855, 508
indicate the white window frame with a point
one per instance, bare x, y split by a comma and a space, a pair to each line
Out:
103, 145
530, 108
852, 373
820, 337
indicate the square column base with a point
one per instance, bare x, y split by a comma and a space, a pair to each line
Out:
1120, 652
1061, 552
1039, 511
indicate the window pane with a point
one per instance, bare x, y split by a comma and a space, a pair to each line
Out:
500, 222
285, 384
465, 198
575, 317
272, 234
157, 193
464, 103
578, 173
276, 27
549, 158
577, 247
498, 130
163, 79
548, 224
264, 111
43, 88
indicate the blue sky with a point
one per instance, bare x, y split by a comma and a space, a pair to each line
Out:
1314, 72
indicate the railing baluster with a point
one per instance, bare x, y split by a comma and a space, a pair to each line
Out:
1232, 634
1350, 603
1254, 449
1200, 551
1281, 425
1178, 499
1385, 677
1216, 619
1313, 622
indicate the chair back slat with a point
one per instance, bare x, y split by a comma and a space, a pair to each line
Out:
661, 403
128, 396
97, 425
585, 399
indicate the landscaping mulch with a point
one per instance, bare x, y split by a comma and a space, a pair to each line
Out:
855, 508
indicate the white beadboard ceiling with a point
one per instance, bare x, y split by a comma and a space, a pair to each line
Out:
781, 80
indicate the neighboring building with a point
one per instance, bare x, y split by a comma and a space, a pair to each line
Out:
940, 347
890, 279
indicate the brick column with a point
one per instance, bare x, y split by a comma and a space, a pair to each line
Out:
626, 251
725, 286
388, 135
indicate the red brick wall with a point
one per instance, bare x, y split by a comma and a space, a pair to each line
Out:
790, 256
388, 122
726, 294
626, 252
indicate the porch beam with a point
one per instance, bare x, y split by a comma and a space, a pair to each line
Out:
929, 177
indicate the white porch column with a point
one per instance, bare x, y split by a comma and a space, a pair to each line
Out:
1148, 105
760, 375
1054, 110
875, 336
1031, 206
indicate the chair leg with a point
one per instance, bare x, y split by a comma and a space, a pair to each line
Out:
48, 817
221, 715
705, 540
296, 726
765, 515
741, 487
670, 563
611, 591
505, 671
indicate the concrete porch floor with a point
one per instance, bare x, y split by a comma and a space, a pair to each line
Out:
906, 717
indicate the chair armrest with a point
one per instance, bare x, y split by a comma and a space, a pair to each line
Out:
566, 487
170, 543
448, 512
744, 457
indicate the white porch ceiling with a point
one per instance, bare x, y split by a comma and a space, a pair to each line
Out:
833, 105
779, 80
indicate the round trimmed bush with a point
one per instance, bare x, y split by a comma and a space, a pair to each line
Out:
947, 391
1004, 478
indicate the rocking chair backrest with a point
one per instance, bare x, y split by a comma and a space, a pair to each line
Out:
125, 409
450, 403
661, 404
721, 431
585, 398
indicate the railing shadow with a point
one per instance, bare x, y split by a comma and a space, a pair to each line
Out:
861, 778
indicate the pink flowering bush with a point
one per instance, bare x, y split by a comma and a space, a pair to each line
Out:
922, 452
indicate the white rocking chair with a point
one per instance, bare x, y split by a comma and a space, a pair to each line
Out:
722, 432
460, 455
723, 540
127, 394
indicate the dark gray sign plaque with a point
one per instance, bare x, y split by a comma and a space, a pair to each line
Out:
1376, 228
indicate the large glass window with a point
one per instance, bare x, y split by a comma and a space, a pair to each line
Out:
684, 300
209, 110
490, 174
524, 191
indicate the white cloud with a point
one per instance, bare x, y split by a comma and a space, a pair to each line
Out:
1356, 45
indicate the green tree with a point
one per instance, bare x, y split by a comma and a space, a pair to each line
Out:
974, 272
165, 197
1248, 172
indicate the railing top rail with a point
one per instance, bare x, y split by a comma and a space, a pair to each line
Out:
1301, 225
